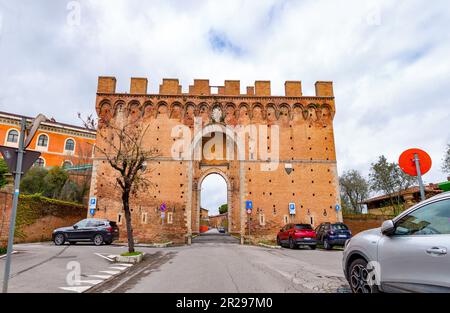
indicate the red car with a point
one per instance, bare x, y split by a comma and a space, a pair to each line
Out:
295, 235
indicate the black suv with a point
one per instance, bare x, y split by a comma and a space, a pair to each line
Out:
98, 231
332, 234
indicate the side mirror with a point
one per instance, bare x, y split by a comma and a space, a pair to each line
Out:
281, 230
387, 228
75, 226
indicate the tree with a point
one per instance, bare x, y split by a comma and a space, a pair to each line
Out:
389, 179
3, 172
34, 181
354, 189
55, 180
223, 208
121, 146
446, 164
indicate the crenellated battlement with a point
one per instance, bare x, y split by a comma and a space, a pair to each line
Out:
202, 87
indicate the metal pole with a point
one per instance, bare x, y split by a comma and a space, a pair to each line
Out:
12, 222
419, 175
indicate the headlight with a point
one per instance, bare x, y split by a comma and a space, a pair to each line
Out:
346, 243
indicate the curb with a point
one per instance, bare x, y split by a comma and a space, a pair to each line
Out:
268, 246
149, 245
4, 255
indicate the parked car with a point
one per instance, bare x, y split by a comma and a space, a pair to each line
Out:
295, 235
407, 254
221, 229
98, 231
332, 234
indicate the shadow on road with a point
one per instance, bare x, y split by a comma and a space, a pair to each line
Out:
213, 236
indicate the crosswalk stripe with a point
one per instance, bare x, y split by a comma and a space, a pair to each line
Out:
78, 289
125, 264
92, 282
120, 268
110, 272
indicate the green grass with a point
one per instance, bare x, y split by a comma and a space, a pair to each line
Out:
2, 250
136, 253
269, 242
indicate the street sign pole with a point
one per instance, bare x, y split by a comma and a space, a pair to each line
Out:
419, 176
12, 222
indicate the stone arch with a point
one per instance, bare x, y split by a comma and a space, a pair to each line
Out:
271, 112
119, 106
298, 113
105, 111
258, 113
230, 114
134, 109
204, 112
148, 110
326, 113
162, 109
176, 111
312, 110
284, 111
243, 113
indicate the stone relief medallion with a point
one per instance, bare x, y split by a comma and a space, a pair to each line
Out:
216, 115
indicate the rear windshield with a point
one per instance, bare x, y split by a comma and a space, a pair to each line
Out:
339, 227
303, 226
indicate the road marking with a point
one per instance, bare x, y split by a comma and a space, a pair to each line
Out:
125, 264
105, 257
101, 276
92, 282
78, 289
120, 268
110, 272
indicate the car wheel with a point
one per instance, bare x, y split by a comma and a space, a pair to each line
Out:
313, 247
59, 239
278, 241
98, 240
360, 277
72, 243
292, 245
327, 245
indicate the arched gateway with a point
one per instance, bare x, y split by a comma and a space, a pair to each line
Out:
274, 152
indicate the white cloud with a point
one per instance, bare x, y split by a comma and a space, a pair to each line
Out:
388, 59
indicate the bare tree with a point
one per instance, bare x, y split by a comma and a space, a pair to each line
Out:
121, 145
446, 161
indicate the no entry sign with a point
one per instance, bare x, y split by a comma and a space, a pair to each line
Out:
408, 165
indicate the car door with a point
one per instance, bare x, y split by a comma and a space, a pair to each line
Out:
416, 257
285, 233
77, 229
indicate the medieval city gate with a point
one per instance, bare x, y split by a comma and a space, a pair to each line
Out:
279, 151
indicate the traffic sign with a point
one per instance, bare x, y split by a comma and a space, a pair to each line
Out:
92, 212
338, 207
93, 202
292, 208
249, 211
163, 214
163, 207
10, 156
248, 204
408, 165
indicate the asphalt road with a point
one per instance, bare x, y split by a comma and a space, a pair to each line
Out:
213, 263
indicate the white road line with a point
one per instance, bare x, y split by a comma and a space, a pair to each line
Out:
92, 282
78, 289
101, 276
125, 264
110, 272
120, 268
105, 257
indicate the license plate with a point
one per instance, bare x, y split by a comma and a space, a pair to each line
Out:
307, 238
342, 236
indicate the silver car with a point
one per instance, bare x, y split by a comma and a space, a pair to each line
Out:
407, 254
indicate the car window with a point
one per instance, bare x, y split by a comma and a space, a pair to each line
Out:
82, 223
431, 219
303, 226
339, 227
91, 223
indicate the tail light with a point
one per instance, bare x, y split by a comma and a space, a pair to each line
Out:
109, 228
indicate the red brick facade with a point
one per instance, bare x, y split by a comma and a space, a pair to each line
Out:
300, 165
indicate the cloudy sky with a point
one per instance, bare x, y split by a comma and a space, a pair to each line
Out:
389, 60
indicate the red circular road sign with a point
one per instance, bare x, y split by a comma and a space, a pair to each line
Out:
407, 164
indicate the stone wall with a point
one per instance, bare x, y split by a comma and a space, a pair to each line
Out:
362, 222
37, 217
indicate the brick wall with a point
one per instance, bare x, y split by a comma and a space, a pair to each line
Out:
359, 223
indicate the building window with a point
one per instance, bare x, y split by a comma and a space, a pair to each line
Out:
285, 219
42, 140
262, 219
119, 218
67, 164
70, 145
13, 136
39, 162
312, 221
144, 218
169, 217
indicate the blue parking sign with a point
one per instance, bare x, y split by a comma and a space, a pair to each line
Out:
338, 207
92, 202
292, 208
248, 204
92, 212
